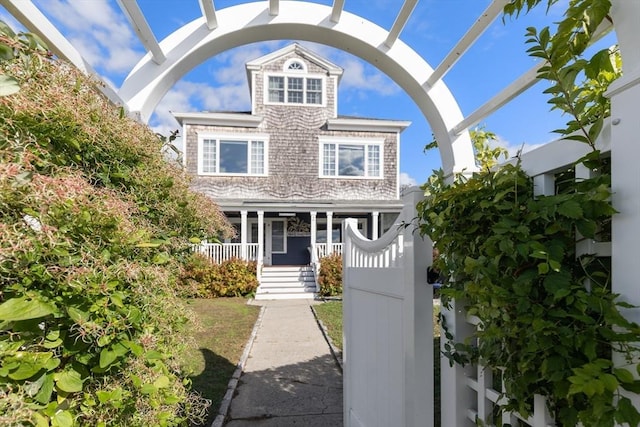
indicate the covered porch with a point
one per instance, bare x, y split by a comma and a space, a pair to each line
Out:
291, 238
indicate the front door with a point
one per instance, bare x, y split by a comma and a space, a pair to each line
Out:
275, 238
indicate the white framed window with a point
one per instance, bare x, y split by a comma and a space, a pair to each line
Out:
295, 89
232, 155
351, 158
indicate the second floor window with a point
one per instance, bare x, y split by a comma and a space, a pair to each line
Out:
351, 159
230, 156
294, 90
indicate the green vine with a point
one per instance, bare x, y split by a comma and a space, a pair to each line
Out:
547, 317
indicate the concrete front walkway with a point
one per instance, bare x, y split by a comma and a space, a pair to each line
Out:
290, 378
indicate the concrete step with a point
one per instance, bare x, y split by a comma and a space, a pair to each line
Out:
286, 282
305, 295
289, 285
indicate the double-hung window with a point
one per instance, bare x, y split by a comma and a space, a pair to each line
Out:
298, 90
351, 158
232, 155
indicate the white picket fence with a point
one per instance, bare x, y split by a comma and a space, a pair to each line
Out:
219, 252
470, 395
388, 338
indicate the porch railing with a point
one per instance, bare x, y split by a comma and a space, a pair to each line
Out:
219, 252
322, 249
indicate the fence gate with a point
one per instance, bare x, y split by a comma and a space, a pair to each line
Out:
388, 325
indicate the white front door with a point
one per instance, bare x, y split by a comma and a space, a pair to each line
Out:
275, 238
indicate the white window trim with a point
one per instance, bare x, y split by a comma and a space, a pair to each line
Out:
233, 137
350, 141
288, 63
295, 74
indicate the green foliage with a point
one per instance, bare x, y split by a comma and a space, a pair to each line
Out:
586, 102
232, 278
330, 276
18, 47
547, 318
94, 226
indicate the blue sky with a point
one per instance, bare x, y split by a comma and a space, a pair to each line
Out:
103, 35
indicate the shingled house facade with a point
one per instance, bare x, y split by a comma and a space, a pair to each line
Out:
287, 172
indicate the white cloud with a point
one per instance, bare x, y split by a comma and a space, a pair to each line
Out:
188, 96
99, 32
361, 78
407, 180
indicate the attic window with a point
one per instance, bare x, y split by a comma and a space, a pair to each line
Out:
296, 66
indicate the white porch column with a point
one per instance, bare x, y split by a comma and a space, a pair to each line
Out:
314, 228
260, 241
374, 228
329, 233
243, 235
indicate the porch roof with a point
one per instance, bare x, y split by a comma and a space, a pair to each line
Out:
335, 206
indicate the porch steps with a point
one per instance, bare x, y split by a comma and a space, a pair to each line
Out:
286, 282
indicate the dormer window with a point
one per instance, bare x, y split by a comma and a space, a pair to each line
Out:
294, 90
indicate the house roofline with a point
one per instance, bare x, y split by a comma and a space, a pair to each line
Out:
367, 125
346, 206
254, 65
219, 119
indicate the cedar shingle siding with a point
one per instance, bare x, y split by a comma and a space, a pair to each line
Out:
293, 151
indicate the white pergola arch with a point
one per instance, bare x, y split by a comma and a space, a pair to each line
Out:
253, 22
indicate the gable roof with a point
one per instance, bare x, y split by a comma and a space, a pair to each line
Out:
256, 64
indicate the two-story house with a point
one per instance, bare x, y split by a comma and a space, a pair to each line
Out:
287, 172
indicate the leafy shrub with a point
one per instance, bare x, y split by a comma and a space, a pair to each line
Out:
93, 228
232, 278
330, 276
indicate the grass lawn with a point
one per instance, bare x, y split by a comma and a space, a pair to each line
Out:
226, 326
330, 313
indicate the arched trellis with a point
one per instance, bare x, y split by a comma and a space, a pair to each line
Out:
252, 22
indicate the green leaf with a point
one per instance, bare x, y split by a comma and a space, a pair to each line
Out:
62, 419
610, 382
153, 355
162, 382
8, 85
44, 395
623, 375
69, 380
23, 309
29, 364
627, 413
148, 389
543, 268
570, 209
161, 258
6, 52
110, 355
77, 315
